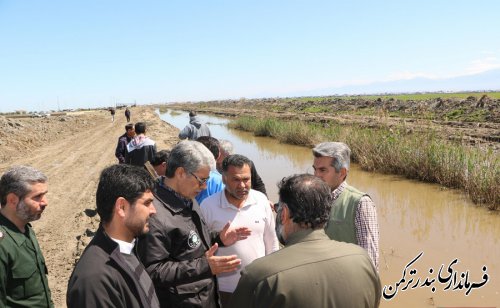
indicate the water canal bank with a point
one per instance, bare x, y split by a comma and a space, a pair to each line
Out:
414, 217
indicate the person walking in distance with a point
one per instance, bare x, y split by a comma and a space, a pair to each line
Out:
127, 114
112, 112
196, 128
23, 273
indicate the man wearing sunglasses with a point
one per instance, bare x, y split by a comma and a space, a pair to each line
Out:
178, 252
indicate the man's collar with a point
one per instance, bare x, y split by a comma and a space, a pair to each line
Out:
185, 201
306, 235
224, 202
125, 247
337, 191
12, 230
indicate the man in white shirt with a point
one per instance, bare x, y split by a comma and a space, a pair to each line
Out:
244, 207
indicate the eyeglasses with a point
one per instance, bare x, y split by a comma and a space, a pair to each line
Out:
200, 181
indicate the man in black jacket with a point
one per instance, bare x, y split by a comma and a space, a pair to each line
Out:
141, 148
109, 274
178, 252
123, 140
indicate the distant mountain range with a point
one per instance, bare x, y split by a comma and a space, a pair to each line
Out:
486, 81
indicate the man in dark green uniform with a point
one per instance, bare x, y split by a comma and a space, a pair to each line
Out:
23, 274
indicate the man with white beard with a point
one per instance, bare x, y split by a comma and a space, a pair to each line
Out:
23, 274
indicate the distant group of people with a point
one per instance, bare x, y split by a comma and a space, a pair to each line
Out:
112, 111
134, 147
187, 227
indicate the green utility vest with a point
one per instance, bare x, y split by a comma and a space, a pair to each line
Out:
23, 274
341, 225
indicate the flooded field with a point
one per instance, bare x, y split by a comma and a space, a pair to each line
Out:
437, 249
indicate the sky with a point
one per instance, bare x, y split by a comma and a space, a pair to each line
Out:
57, 55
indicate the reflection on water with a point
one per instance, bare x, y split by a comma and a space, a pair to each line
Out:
414, 217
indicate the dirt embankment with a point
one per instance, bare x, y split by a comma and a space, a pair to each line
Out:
71, 150
472, 121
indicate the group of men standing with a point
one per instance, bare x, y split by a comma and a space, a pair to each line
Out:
156, 246
134, 147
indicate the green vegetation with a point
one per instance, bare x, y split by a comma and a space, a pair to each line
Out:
462, 114
422, 156
317, 109
163, 108
405, 97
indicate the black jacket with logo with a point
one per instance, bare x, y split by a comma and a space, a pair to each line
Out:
173, 252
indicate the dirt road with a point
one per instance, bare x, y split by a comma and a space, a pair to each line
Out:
71, 152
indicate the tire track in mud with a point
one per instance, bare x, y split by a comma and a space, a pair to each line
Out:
73, 164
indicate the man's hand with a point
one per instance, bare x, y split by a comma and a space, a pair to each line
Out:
221, 264
231, 236
271, 204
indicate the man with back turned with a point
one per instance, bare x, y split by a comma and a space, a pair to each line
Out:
311, 270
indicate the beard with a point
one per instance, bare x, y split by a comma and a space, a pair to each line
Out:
239, 194
24, 212
137, 226
279, 227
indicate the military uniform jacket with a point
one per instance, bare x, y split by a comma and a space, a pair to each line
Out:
173, 252
311, 271
23, 274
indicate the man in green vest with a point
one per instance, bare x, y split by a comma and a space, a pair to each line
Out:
23, 274
353, 218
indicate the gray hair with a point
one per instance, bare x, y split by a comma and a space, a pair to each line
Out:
191, 155
226, 146
18, 180
339, 151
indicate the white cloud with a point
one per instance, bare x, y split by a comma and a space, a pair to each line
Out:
483, 65
486, 63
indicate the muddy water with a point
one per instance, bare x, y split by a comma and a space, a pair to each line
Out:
414, 218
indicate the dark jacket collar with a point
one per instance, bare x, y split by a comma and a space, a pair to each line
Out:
306, 236
170, 198
102, 240
11, 229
